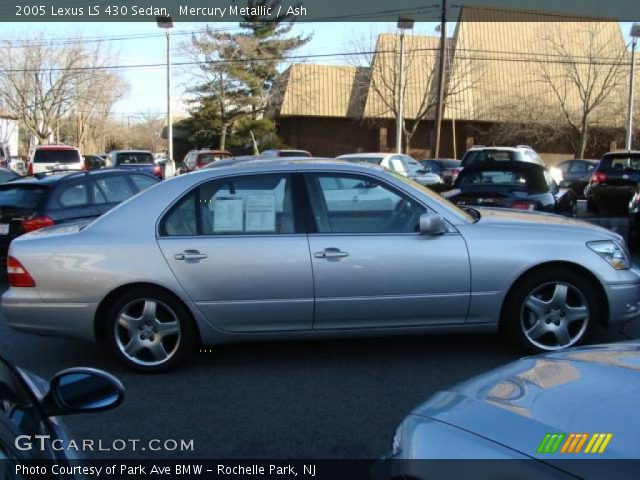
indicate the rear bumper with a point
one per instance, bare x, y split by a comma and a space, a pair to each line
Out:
30, 315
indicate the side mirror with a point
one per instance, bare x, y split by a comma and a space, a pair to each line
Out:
565, 184
82, 390
432, 224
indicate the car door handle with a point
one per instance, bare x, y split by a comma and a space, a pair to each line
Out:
190, 255
331, 253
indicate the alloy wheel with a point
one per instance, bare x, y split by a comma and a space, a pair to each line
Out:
554, 316
147, 332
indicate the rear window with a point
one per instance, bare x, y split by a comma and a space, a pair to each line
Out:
21, 196
56, 156
471, 158
134, 158
207, 158
621, 163
526, 180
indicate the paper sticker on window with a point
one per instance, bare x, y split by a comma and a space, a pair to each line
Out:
261, 213
227, 214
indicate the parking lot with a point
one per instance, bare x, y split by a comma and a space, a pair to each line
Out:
320, 399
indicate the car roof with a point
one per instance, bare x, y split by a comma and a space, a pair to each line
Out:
51, 178
508, 165
131, 151
367, 155
56, 147
287, 162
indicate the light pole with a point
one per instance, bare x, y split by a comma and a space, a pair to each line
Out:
166, 23
404, 23
635, 33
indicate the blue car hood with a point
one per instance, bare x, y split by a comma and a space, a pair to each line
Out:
583, 390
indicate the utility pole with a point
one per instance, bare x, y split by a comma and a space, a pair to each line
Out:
635, 33
441, 69
404, 23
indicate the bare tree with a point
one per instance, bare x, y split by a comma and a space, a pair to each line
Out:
584, 67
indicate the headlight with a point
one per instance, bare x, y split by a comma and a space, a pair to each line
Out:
613, 253
396, 443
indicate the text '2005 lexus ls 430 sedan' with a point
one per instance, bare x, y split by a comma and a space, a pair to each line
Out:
301, 248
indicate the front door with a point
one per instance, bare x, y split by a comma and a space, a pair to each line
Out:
372, 268
234, 246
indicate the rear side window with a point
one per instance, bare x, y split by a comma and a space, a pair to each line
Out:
115, 189
21, 196
141, 182
56, 156
621, 163
74, 196
133, 158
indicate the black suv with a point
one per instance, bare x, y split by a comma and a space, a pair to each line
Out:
613, 183
45, 199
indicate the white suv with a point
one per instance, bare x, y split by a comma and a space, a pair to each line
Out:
55, 157
521, 153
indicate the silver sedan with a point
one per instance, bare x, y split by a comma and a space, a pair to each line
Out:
290, 249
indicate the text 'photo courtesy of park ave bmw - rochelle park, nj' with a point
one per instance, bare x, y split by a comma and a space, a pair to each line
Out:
319, 240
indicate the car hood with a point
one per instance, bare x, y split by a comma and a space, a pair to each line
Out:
507, 218
583, 390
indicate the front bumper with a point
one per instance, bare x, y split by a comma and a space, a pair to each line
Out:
27, 313
624, 303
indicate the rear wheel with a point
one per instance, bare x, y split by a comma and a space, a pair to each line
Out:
551, 310
149, 330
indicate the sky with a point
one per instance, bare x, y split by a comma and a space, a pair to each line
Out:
147, 86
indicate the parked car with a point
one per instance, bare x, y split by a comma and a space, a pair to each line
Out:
196, 159
285, 153
269, 250
141, 160
43, 200
7, 175
539, 410
481, 154
613, 183
519, 185
399, 163
18, 165
55, 158
92, 162
447, 168
576, 174
31, 406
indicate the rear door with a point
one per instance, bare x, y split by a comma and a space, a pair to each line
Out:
109, 191
72, 202
237, 249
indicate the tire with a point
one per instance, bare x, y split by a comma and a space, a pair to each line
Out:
551, 309
149, 330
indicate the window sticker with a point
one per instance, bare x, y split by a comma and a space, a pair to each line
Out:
260, 213
227, 214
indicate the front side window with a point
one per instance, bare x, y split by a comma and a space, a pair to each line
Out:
360, 205
252, 204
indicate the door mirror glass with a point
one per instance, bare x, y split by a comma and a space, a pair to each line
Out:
82, 390
432, 224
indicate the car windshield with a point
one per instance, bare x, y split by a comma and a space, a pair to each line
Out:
372, 160
629, 162
128, 158
529, 180
21, 196
434, 196
56, 156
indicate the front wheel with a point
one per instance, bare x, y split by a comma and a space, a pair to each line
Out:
149, 330
551, 310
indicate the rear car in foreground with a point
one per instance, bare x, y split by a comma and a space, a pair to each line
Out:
613, 183
31, 429
562, 415
43, 200
518, 185
291, 249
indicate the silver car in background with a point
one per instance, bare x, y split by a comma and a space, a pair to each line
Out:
290, 249
557, 408
398, 163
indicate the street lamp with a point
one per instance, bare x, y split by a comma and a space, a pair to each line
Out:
166, 23
404, 23
635, 34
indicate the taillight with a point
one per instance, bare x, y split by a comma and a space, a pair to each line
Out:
83, 166
30, 169
598, 177
522, 205
157, 170
18, 275
36, 223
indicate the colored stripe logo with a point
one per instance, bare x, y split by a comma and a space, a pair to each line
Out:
574, 443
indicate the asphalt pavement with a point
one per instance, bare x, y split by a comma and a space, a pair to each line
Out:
313, 399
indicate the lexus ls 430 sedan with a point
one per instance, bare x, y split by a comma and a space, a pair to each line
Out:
303, 248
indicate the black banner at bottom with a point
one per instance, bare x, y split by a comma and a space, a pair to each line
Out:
320, 469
